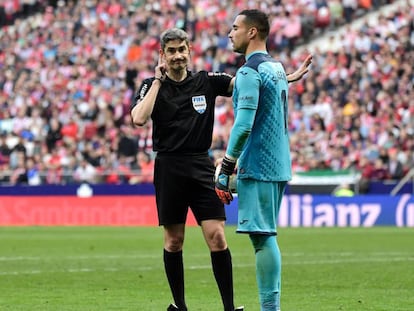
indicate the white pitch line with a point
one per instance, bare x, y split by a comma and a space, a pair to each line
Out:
143, 256
201, 267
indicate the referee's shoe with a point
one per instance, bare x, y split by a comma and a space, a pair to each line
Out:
173, 307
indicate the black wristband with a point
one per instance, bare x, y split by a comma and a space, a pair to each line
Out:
227, 166
159, 79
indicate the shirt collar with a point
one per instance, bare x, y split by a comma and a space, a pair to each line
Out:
255, 52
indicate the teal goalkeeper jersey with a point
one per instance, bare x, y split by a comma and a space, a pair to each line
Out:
259, 137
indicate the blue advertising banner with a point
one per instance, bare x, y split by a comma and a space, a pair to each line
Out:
328, 211
297, 210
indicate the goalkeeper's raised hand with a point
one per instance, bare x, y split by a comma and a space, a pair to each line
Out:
223, 180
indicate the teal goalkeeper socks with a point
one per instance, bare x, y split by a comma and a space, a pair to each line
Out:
268, 271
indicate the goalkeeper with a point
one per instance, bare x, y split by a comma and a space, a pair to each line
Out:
259, 141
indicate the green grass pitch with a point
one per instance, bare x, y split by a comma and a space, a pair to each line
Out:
113, 268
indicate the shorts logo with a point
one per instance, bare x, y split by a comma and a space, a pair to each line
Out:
199, 103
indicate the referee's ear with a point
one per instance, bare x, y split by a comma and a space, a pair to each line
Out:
161, 52
190, 50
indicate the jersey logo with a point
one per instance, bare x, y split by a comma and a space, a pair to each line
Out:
219, 74
199, 103
143, 91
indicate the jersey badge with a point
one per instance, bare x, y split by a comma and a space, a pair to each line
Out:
199, 103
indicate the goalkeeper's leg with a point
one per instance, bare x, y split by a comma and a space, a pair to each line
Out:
268, 271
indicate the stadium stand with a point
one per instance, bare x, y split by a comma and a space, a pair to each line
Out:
10, 10
69, 70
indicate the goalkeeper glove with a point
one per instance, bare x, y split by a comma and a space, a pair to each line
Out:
223, 180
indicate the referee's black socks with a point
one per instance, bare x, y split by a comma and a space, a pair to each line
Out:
174, 269
223, 272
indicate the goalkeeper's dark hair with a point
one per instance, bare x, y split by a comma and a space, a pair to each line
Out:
259, 20
173, 34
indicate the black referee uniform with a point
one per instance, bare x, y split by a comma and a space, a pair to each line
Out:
183, 120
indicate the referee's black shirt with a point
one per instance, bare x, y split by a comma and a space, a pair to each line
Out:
183, 115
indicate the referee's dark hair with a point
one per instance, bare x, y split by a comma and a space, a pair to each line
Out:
173, 34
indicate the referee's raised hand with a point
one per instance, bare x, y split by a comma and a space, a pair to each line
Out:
160, 69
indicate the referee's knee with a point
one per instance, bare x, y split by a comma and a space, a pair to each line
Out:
217, 242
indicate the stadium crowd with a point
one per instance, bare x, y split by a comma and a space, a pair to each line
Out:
10, 10
69, 73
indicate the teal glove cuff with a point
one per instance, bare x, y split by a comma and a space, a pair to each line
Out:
227, 166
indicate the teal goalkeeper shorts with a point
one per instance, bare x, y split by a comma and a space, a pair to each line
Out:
258, 205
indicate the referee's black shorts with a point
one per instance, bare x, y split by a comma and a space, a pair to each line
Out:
182, 182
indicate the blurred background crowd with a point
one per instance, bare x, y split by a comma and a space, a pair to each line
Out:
69, 71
